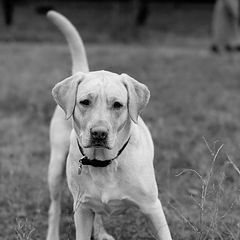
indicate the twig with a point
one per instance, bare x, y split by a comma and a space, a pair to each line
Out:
184, 218
228, 210
229, 231
210, 150
190, 170
233, 164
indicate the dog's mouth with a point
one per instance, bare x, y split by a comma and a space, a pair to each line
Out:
90, 142
99, 144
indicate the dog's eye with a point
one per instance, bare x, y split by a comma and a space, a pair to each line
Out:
85, 102
117, 105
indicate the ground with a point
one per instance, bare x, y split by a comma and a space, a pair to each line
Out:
193, 110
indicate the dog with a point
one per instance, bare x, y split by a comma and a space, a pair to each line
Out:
98, 137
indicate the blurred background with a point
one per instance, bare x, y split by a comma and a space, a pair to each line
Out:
110, 20
193, 113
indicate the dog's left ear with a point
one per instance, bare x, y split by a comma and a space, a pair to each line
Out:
64, 93
138, 96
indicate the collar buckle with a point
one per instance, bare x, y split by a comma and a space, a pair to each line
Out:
81, 164
79, 168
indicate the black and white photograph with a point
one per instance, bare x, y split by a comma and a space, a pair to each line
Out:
120, 120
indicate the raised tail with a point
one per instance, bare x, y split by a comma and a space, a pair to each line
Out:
77, 50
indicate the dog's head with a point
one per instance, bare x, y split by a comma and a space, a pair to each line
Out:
101, 104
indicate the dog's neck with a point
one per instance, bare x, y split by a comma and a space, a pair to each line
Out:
106, 154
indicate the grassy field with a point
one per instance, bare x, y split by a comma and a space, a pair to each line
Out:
194, 109
193, 94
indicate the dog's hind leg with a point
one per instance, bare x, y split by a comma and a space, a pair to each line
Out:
99, 231
59, 137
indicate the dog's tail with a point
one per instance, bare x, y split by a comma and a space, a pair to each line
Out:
77, 50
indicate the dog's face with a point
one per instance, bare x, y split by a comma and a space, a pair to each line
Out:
101, 103
101, 110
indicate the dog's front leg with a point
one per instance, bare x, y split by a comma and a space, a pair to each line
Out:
99, 231
157, 220
83, 218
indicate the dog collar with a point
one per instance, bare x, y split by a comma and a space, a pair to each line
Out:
95, 162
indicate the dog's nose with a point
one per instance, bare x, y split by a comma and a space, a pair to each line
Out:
99, 133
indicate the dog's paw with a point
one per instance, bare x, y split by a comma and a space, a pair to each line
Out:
104, 236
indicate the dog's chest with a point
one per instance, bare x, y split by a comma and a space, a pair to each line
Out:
106, 195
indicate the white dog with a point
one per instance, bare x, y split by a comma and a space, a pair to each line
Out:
97, 134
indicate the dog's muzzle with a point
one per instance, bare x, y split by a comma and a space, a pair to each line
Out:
99, 136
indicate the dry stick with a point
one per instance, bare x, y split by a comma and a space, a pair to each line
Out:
212, 227
205, 187
214, 221
190, 170
22, 233
233, 164
232, 204
180, 214
211, 169
234, 201
195, 200
228, 210
216, 211
184, 218
229, 231
210, 150
200, 205
205, 183
220, 236
209, 229
238, 231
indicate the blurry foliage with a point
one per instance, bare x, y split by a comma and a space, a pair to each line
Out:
110, 21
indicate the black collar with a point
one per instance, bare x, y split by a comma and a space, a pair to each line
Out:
95, 162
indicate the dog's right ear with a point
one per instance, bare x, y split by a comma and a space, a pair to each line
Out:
64, 93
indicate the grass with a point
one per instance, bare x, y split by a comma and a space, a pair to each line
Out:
193, 115
192, 95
